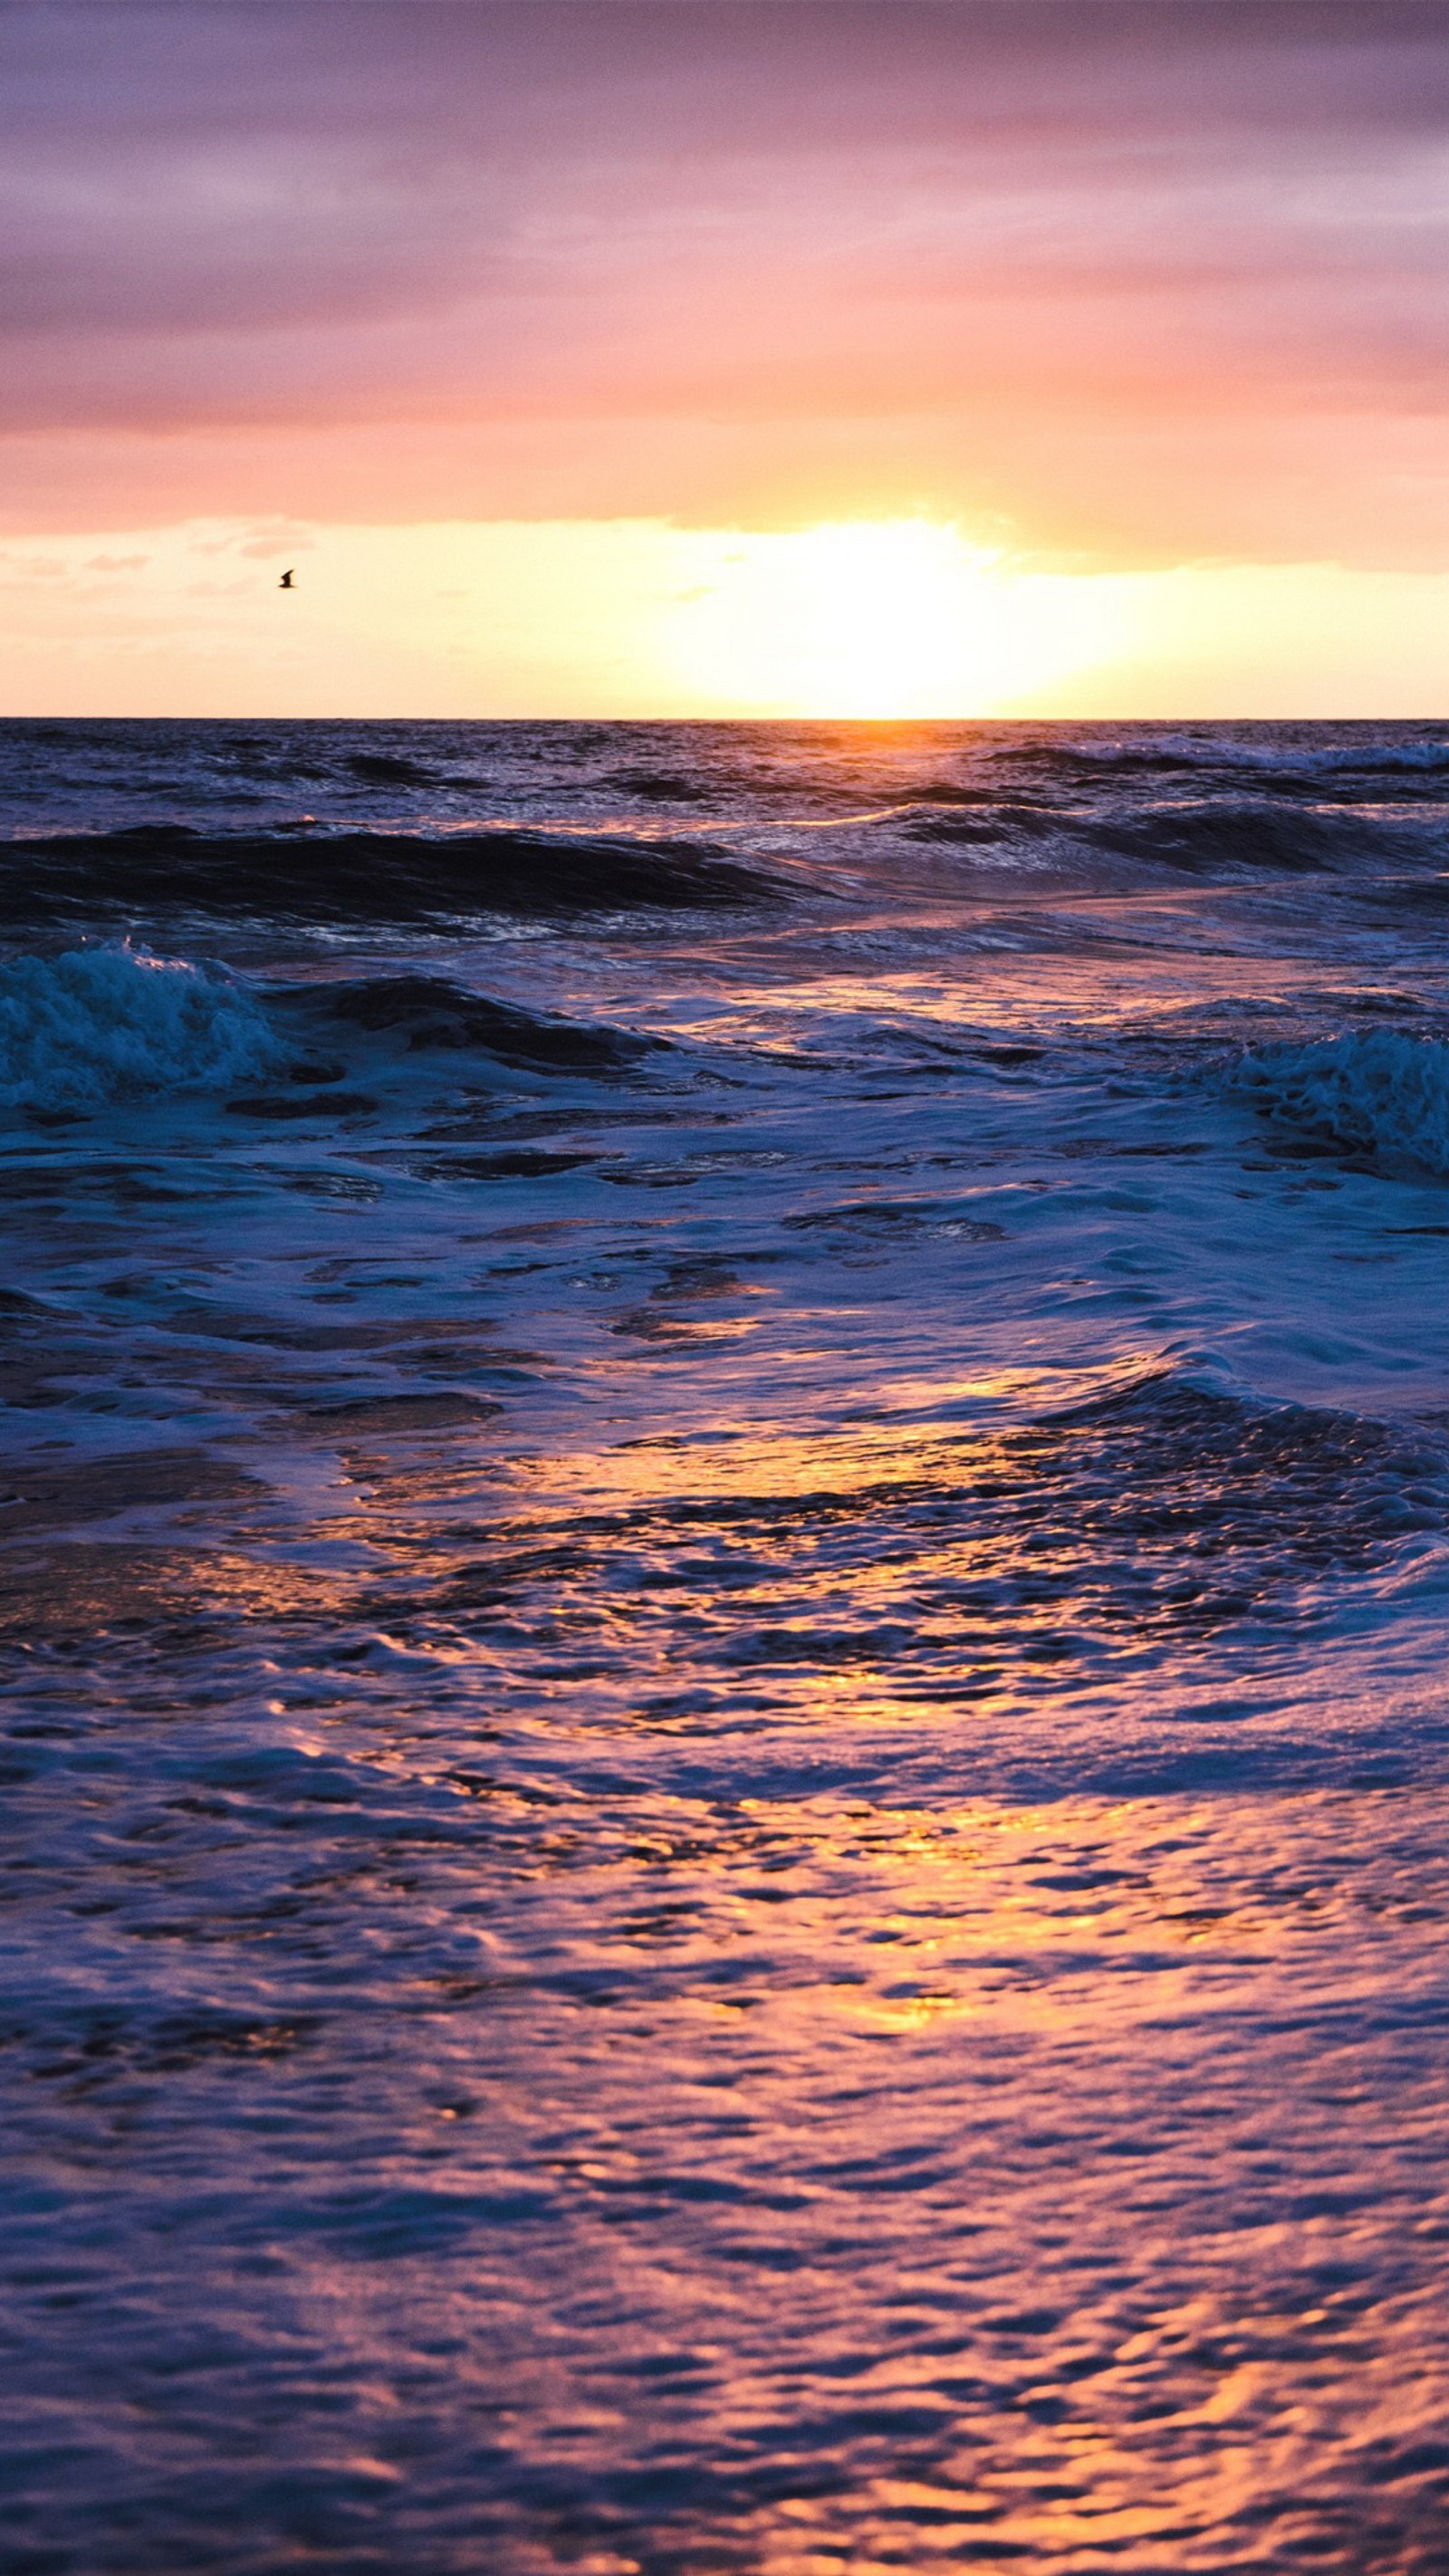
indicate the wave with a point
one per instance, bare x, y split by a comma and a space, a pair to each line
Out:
295, 872
101, 1024
1216, 843
1311, 768
428, 1011
987, 822
1378, 1093
1208, 840
660, 786
1416, 757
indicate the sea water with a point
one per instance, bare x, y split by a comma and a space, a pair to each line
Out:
726, 1547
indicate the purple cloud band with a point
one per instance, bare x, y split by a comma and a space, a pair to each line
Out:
959, 248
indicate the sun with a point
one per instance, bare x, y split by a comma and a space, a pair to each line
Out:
884, 618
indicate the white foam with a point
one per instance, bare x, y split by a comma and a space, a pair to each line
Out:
101, 1024
1380, 1092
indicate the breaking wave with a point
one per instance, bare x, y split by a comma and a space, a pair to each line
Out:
1380, 1093
101, 1024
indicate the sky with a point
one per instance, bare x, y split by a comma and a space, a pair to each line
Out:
725, 356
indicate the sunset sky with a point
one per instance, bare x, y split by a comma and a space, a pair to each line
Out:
725, 356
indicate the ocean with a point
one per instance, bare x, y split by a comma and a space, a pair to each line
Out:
726, 1534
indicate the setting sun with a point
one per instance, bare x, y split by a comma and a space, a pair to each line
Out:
896, 617
888, 618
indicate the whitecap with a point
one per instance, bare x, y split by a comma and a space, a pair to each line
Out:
100, 1024
1378, 1091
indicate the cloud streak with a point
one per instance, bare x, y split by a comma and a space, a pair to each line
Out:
1143, 281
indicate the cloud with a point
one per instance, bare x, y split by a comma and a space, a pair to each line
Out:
963, 255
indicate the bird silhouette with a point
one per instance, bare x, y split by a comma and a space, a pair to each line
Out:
286, 581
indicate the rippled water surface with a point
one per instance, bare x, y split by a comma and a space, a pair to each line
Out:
725, 1503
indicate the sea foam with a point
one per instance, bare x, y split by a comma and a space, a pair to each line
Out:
101, 1024
1380, 1092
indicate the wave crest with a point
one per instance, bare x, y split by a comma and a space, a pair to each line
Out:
1380, 1092
101, 1024
306, 873
428, 1011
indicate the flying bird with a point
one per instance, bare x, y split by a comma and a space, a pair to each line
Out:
286, 581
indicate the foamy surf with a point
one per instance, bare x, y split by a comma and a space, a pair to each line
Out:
97, 1025
1376, 1092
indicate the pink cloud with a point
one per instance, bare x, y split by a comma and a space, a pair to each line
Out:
1100, 269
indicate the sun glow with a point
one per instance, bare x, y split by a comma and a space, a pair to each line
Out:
887, 618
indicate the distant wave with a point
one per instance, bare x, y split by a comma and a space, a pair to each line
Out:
295, 873
100, 1024
1321, 771
1216, 840
1378, 1093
